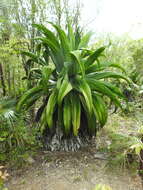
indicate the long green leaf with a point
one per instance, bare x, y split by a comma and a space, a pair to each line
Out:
100, 87
50, 107
55, 53
114, 89
46, 73
30, 101
71, 37
100, 109
103, 65
67, 114
65, 88
43, 121
28, 95
34, 57
64, 41
94, 56
92, 123
86, 91
107, 74
50, 43
76, 59
50, 35
77, 38
85, 40
76, 113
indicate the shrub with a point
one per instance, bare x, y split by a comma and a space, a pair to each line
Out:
71, 81
15, 137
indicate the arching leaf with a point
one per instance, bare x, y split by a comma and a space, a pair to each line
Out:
34, 57
76, 113
100, 87
85, 40
48, 33
107, 74
94, 56
63, 40
76, 59
86, 92
28, 95
67, 114
65, 88
100, 109
52, 101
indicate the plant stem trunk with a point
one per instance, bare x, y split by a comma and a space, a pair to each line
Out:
141, 163
2, 80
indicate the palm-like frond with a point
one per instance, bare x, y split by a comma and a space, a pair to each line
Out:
7, 109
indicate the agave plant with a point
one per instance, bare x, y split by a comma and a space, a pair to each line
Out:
71, 79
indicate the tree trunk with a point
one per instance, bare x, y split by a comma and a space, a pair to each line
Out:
141, 163
9, 79
2, 80
55, 140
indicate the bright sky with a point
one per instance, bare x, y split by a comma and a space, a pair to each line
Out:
117, 16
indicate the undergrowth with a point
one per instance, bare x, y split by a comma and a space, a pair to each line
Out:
121, 140
3, 177
17, 141
102, 187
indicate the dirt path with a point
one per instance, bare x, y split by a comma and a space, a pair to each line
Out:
72, 171
81, 170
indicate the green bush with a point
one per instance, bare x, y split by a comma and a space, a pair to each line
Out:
16, 138
71, 79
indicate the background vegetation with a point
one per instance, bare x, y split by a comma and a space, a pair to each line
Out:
106, 72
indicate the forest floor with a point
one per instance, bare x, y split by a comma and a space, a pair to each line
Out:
80, 170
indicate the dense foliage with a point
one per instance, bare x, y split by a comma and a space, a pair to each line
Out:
15, 138
71, 80
55, 86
